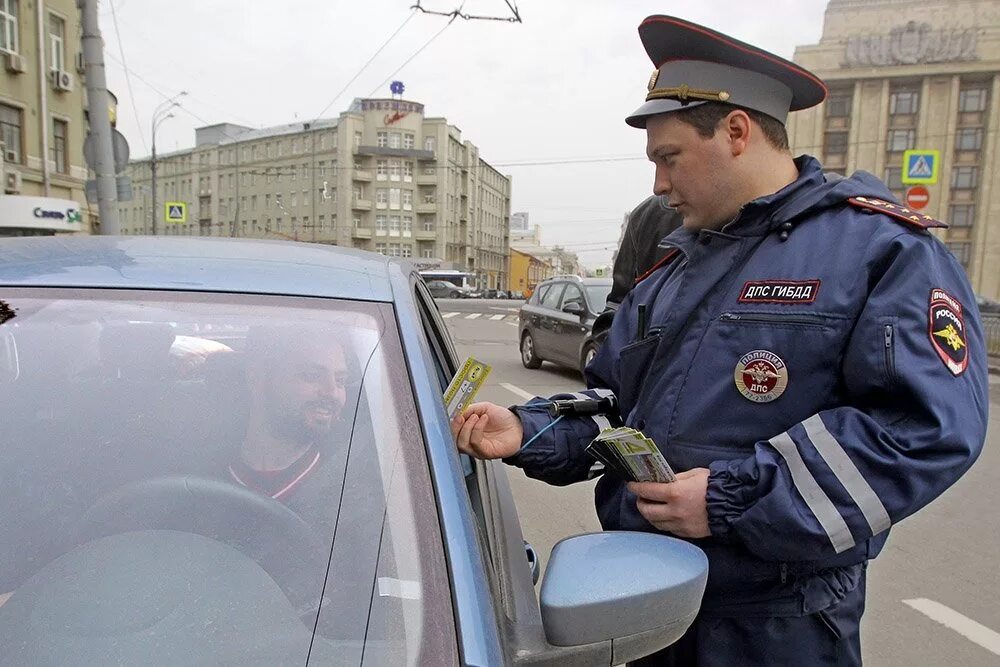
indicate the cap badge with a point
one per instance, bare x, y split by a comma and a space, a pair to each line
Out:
761, 376
652, 79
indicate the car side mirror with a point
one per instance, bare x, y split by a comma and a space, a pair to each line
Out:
638, 591
574, 308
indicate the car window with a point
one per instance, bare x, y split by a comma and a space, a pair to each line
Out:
536, 298
551, 297
597, 296
247, 465
572, 294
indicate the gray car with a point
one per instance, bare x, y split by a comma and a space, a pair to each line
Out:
557, 321
131, 533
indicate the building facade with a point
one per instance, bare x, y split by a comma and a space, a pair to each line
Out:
915, 75
380, 177
42, 120
526, 271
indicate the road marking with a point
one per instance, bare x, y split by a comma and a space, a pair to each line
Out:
447, 315
497, 317
473, 316
517, 391
971, 630
513, 324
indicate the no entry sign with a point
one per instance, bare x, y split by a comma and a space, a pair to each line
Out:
917, 197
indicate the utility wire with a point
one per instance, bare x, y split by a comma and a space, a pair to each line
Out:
128, 78
365, 66
415, 54
457, 13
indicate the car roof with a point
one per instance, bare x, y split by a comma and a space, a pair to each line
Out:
579, 280
195, 264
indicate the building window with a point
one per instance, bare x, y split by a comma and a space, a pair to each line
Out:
8, 26
59, 131
357, 139
380, 248
407, 251
381, 197
407, 224
408, 172
904, 102
894, 178
380, 223
382, 139
381, 170
394, 250
10, 132
962, 252
972, 100
394, 170
407, 200
429, 143
394, 198
835, 143
294, 200
57, 43
969, 139
900, 140
322, 168
394, 140
408, 141
394, 225
357, 222
964, 178
838, 106
428, 225
961, 215
427, 253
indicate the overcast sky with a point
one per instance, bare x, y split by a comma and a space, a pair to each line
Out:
553, 88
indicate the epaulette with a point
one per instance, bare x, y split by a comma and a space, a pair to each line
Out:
896, 211
660, 264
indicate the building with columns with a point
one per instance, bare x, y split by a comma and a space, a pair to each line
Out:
915, 75
381, 177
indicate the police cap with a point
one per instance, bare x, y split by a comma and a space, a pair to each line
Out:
695, 65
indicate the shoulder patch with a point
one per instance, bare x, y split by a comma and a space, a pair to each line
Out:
897, 211
946, 327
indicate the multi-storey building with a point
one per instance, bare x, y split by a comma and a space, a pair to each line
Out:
381, 177
42, 120
920, 75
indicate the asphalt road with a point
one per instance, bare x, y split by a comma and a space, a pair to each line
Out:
933, 593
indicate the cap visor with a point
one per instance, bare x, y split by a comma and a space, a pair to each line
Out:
654, 108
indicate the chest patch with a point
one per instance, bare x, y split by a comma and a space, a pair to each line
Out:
779, 291
947, 331
761, 376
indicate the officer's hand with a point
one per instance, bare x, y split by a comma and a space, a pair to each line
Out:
679, 507
487, 431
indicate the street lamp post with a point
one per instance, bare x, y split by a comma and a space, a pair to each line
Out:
160, 114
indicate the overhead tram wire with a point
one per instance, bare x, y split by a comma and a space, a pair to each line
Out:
128, 78
365, 66
415, 54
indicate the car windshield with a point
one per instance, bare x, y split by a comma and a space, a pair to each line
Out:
189, 476
597, 296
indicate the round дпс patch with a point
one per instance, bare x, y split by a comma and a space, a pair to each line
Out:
761, 376
947, 331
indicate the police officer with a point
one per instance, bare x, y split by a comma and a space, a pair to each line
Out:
813, 362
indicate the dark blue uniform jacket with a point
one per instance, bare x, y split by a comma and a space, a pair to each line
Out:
833, 382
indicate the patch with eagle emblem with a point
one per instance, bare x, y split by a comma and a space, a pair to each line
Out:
946, 327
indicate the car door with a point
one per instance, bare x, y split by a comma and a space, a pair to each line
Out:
569, 330
548, 321
514, 602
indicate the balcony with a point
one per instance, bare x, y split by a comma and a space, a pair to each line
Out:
427, 179
427, 207
361, 233
394, 152
425, 235
361, 204
362, 175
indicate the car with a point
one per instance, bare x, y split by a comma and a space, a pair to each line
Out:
556, 322
155, 390
442, 289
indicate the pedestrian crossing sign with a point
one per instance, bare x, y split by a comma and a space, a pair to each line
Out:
175, 211
921, 167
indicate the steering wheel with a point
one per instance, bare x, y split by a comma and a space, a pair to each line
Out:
257, 525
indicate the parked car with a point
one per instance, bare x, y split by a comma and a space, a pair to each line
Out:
442, 289
557, 321
127, 535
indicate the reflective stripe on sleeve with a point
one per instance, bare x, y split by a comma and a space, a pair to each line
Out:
601, 421
843, 467
818, 502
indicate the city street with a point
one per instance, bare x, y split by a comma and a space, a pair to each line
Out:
932, 593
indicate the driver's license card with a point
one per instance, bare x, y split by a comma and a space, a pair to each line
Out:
464, 386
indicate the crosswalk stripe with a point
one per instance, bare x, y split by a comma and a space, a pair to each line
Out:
473, 316
497, 317
447, 315
963, 625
